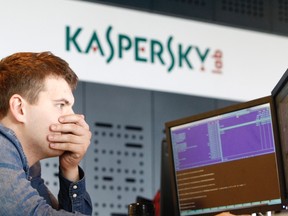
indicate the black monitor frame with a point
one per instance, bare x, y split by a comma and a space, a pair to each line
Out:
167, 207
246, 210
280, 85
281, 90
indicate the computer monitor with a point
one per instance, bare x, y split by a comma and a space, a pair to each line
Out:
167, 204
280, 96
227, 160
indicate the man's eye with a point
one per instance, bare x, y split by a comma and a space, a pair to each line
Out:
61, 105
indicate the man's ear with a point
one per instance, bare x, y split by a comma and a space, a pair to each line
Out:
17, 105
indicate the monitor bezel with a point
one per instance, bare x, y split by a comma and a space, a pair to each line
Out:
279, 86
232, 108
282, 83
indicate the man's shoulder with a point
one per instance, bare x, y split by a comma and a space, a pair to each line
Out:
10, 152
7, 139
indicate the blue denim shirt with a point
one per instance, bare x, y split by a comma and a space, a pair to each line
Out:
23, 192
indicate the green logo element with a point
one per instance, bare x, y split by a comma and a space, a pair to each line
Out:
167, 53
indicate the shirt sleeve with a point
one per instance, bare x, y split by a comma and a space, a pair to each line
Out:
38, 183
18, 197
73, 196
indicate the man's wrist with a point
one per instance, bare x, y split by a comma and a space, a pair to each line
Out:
71, 174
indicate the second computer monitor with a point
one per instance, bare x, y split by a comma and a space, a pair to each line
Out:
227, 160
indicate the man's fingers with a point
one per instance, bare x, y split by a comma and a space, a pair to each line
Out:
73, 148
77, 119
65, 138
68, 128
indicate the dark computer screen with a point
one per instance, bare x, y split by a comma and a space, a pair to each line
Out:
167, 207
227, 160
280, 96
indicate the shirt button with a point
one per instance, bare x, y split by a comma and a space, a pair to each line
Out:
75, 187
74, 195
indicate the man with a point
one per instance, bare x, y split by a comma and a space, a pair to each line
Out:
36, 122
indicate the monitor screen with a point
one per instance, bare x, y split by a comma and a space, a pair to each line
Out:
280, 96
167, 207
227, 160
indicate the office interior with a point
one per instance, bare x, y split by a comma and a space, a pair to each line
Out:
124, 159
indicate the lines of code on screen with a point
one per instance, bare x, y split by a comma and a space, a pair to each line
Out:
219, 160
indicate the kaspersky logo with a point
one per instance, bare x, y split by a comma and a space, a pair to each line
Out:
165, 52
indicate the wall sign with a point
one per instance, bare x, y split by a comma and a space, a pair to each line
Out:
124, 47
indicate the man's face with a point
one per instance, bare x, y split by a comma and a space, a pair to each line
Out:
54, 101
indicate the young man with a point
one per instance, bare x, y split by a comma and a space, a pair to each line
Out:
36, 122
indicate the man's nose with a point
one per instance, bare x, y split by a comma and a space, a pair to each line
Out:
71, 111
